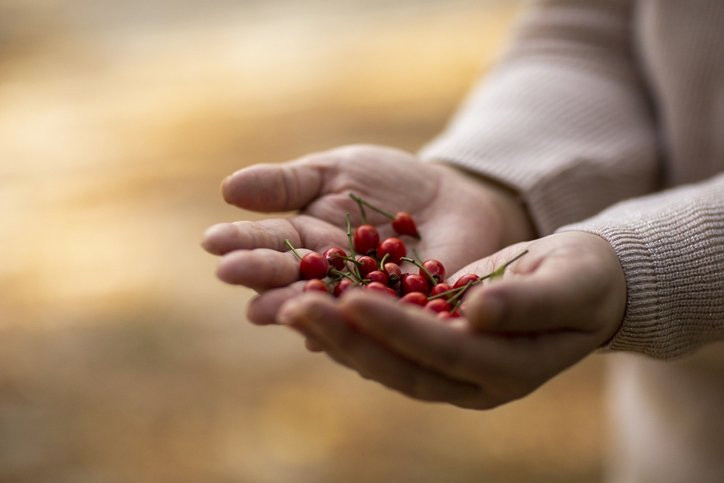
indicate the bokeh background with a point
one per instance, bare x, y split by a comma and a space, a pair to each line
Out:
122, 358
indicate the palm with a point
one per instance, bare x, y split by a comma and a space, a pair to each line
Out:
457, 219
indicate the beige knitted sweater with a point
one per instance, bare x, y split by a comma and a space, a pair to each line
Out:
596, 105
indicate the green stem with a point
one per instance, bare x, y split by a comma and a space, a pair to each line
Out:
355, 268
460, 291
362, 211
458, 296
419, 265
456, 306
291, 247
342, 275
382, 262
349, 235
361, 202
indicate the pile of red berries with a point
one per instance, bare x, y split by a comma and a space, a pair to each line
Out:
376, 265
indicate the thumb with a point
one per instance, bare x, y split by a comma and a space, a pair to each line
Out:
276, 187
535, 303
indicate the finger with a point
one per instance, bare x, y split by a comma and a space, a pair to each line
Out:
546, 300
263, 309
277, 187
301, 231
488, 359
417, 335
320, 318
312, 345
259, 269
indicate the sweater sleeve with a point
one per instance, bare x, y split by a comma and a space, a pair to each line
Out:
563, 119
671, 248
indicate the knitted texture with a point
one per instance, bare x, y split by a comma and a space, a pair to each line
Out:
597, 102
671, 247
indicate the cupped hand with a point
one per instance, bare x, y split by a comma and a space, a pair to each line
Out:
552, 307
460, 218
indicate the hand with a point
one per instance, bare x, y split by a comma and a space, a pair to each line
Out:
552, 307
460, 218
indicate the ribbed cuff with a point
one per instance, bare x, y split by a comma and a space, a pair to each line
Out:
671, 249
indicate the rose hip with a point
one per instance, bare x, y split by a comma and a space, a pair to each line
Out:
378, 287
366, 265
342, 286
434, 268
366, 239
403, 224
315, 285
335, 257
378, 276
416, 298
438, 305
394, 273
440, 288
393, 247
414, 283
313, 265
465, 279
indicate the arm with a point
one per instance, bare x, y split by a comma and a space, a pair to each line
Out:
564, 118
671, 248
645, 276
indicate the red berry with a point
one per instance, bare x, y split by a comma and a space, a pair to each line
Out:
342, 286
414, 283
366, 239
403, 224
335, 257
378, 287
394, 273
444, 315
315, 285
440, 288
435, 268
465, 279
438, 305
378, 276
366, 265
416, 298
313, 265
393, 247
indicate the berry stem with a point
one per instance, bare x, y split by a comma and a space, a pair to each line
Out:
452, 292
341, 275
456, 293
361, 207
355, 268
349, 235
461, 291
362, 202
415, 254
291, 247
422, 268
382, 262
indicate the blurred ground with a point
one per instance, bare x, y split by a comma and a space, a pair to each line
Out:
121, 357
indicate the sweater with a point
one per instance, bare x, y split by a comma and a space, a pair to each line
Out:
608, 117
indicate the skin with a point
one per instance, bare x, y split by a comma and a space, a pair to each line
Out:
552, 307
440, 198
559, 302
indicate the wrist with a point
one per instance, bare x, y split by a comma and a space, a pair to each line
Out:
515, 220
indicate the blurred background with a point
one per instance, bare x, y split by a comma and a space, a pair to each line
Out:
122, 358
